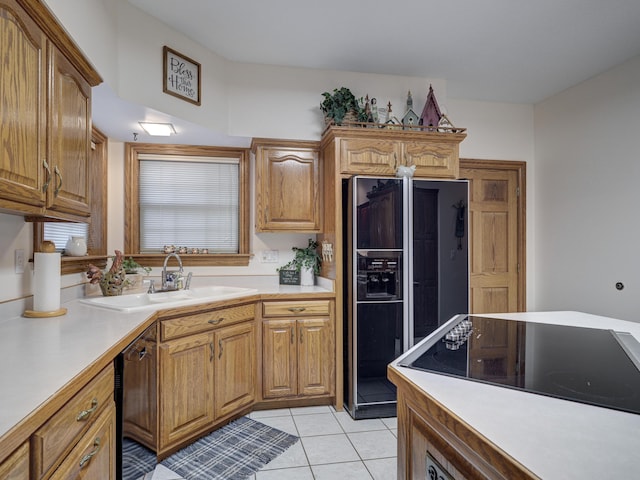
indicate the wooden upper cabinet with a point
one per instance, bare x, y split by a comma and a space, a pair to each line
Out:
368, 151
45, 109
22, 107
70, 138
287, 186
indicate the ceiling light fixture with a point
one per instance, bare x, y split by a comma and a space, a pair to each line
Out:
158, 129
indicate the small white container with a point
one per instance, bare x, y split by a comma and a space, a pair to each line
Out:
76, 247
307, 278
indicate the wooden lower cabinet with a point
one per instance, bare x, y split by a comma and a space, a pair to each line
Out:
204, 378
298, 357
68, 428
234, 371
435, 443
16, 466
185, 389
315, 356
139, 412
94, 456
202, 371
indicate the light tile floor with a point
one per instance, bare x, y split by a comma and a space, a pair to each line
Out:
332, 445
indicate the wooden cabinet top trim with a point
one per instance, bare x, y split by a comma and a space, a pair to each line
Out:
333, 132
282, 143
48, 23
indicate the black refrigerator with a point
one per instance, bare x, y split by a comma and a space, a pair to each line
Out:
406, 273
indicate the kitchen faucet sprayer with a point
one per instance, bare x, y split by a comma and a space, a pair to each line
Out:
172, 280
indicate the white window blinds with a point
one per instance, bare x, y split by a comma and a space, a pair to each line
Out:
59, 233
189, 202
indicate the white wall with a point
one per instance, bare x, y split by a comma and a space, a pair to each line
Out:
587, 196
242, 100
503, 131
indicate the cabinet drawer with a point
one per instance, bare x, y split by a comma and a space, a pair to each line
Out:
200, 322
295, 308
62, 430
94, 456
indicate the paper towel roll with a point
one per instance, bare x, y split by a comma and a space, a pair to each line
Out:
46, 282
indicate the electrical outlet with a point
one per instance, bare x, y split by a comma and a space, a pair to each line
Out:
19, 260
269, 256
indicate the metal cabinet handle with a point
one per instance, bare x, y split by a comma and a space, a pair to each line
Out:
87, 458
83, 415
301, 336
292, 336
215, 321
211, 350
46, 184
59, 186
142, 353
219, 349
296, 309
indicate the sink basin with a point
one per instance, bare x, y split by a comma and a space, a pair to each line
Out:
151, 301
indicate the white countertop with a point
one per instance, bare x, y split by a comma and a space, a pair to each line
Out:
554, 438
39, 356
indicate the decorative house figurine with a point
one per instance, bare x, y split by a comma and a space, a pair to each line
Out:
391, 122
431, 114
445, 125
410, 118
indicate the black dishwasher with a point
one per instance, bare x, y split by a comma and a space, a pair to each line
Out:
134, 368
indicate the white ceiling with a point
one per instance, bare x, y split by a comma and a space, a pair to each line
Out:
494, 50
490, 50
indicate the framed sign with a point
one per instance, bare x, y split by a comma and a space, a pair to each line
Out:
181, 76
289, 277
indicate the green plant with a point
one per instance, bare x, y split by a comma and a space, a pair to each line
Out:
131, 266
336, 105
307, 257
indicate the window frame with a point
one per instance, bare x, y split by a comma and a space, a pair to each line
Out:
132, 209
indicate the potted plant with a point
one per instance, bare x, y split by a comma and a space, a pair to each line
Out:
306, 261
133, 271
339, 104
131, 266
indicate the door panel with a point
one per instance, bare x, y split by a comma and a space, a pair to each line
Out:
497, 243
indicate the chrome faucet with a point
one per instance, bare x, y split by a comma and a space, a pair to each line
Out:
171, 280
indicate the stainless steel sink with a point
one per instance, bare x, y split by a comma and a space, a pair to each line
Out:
155, 301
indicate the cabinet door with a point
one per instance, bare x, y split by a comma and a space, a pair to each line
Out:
369, 156
16, 466
315, 356
139, 405
70, 138
185, 387
432, 159
22, 109
279, 362
94, 456
235, 368
288, 189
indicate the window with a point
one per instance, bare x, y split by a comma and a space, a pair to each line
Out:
59, 232
185, 196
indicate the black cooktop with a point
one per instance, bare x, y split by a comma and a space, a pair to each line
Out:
588, 365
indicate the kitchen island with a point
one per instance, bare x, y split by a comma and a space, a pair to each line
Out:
475, 430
